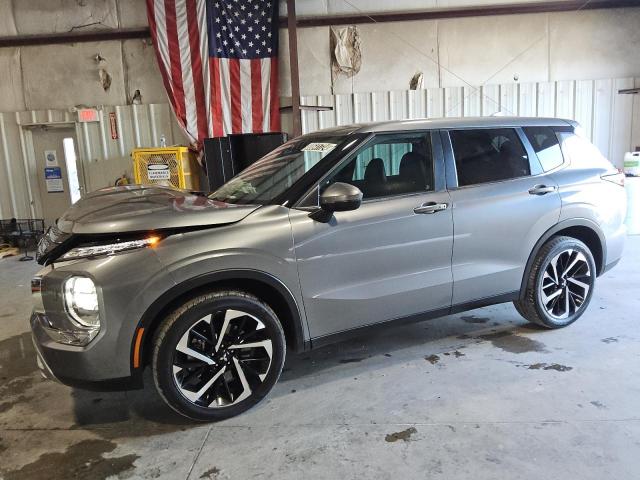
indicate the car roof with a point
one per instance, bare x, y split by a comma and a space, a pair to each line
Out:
436, 123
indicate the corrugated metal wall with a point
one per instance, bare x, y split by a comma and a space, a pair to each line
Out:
101, 158
606, 116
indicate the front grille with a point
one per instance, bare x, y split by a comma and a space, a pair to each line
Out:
49, 244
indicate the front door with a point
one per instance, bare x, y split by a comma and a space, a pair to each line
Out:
391, 257
58, 178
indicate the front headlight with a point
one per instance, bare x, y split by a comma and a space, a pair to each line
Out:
81, 301
109, 249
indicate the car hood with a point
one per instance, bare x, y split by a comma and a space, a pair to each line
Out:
134, 208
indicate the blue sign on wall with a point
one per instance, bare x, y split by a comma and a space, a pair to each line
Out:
53, 179
51, 173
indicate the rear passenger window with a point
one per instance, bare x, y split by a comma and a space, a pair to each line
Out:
545, 143
391, 165
488, 155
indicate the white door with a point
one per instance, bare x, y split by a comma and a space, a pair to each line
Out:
59, 182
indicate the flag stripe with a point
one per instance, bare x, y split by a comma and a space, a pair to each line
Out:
274, 110
196, 69
186, 68
266, 93
201, 20
256, 96
225, 95
175, 63
245, 95
155, 14
216, 98
236, 95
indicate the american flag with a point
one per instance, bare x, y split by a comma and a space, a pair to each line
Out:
219, 63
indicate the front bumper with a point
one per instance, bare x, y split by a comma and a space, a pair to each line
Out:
75, 366
45, 371
127, 285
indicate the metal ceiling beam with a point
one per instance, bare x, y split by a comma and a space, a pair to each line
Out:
461, 12
74, 37
319, 21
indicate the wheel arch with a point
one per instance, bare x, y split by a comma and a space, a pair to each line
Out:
581, 229
261, 284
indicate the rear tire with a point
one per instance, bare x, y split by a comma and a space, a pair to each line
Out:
560, 284
218, 355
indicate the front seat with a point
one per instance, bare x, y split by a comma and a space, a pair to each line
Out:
375, 178
412, 173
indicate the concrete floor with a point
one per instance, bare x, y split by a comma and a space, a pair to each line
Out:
479, 395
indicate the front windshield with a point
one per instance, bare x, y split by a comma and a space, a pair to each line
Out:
274, 173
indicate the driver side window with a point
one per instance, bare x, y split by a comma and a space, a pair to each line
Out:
390, 165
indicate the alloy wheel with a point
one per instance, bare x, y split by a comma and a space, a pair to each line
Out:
222, 358
565, 284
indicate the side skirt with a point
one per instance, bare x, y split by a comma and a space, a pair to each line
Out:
440, 312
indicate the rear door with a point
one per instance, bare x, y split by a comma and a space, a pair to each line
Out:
391, 257
503, 201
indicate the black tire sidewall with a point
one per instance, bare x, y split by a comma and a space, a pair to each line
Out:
164, 353
561, 246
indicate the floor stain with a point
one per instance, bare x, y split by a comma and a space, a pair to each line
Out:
455, 353
351, 360
404, 435
552, 366
610, 340
432, 359
82, 460
17, 357
17, 369
474, 319
599, 405
512, 343
211, 474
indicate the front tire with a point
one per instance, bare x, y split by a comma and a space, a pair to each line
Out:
560, 284
218, 355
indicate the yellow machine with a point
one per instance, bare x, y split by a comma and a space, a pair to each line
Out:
175, 167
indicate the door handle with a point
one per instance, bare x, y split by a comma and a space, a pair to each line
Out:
542, 189
430, 207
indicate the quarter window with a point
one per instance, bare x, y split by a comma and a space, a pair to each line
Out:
545, 143
488, 155
391, 165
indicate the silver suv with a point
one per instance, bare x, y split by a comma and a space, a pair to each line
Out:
329, 234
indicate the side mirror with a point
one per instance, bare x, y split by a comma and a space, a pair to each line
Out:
340, 197
337, 197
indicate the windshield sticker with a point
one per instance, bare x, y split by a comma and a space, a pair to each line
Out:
319, 147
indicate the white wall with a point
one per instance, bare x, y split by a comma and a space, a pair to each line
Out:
606, 117
586, 45
63, 76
